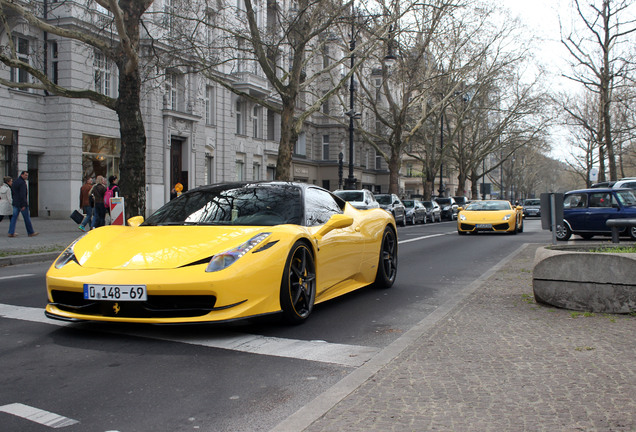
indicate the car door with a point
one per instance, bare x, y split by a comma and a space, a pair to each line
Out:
575, 210
340, 250
602, 206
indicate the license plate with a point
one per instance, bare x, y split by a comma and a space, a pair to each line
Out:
115, 292
484, 226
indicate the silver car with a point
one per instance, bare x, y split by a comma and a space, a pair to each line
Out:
361, 199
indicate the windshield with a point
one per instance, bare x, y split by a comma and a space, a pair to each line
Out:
408, 203
488, 206
350, 196
626, 198
383, 199
444, 201
427, 204
531, 202
256, 205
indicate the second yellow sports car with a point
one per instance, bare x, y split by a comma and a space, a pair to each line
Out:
490, 216
224, 252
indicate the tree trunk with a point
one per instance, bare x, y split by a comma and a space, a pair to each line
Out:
287, 140
394, 170
132, 168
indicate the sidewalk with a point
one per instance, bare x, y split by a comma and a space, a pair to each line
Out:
55, 235
496, 361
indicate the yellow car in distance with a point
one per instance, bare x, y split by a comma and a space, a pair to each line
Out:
490, 216
224, 252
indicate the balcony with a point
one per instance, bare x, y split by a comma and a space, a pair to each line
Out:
251, 83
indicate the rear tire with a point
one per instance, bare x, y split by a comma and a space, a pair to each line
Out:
388, 260
632, 232
298, 287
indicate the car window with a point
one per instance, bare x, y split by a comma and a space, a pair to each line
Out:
383, 199
601, 199
232, 205
574, 201
350, 195
408, 203
319, 206
626, 198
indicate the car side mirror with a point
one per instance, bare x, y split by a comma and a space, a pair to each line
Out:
335, 222
135, 221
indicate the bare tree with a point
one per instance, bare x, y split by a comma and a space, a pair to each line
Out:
296, 50
120, 45
602, 64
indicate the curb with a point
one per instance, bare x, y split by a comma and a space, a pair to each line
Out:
28, 258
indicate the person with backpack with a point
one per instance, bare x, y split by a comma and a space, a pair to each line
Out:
99, 211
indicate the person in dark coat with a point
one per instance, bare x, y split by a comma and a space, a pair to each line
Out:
99, 212
20, 197
85, 204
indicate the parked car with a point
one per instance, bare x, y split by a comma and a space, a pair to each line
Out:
449, 207
433, 211
627, 182
415, 211
490, 216
393, 204
605, 184
461, 201
532, 207
586, 211
362, 199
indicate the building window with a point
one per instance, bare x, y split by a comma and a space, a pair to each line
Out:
325, 106
325, 147
271, 173
210, 106
271, 125
257, 121
301, 145
174, 91
240, 170
409, 170
103, 75
54, 76
256, 171
240, 118
209, 169
22, 50
378, 161
100, 155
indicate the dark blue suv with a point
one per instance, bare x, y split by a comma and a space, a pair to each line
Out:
586, 211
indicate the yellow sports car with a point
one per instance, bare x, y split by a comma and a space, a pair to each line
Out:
223, 252
490, 215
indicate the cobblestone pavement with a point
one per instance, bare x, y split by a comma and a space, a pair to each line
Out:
500, 362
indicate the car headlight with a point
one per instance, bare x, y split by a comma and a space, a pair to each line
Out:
225, 259
68, 255
446, 208
462, 217
507, 217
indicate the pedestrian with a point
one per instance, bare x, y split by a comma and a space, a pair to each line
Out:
20, 197
99, 210
6, 206
85, 204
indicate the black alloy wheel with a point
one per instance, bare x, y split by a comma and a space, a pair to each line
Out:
298, 287
388, 261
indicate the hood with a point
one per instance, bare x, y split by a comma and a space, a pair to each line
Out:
486, 216
158, 247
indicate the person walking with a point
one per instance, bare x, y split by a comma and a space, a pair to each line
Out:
6, 201
85, 204
20, 197
99, 211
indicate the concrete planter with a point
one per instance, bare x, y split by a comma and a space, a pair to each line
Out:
571, 278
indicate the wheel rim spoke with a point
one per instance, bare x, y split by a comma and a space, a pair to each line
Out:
302, 279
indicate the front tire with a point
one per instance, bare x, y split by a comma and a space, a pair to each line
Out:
632, 232
563, 232
298, 287
388, 260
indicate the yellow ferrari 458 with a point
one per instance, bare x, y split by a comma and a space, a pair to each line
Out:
223, 252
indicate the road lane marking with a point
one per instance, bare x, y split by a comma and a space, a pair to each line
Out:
425, 237
36, 415
16, 276
315, 350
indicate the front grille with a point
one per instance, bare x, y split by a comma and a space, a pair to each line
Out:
501, 227
467, 227
157, 306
